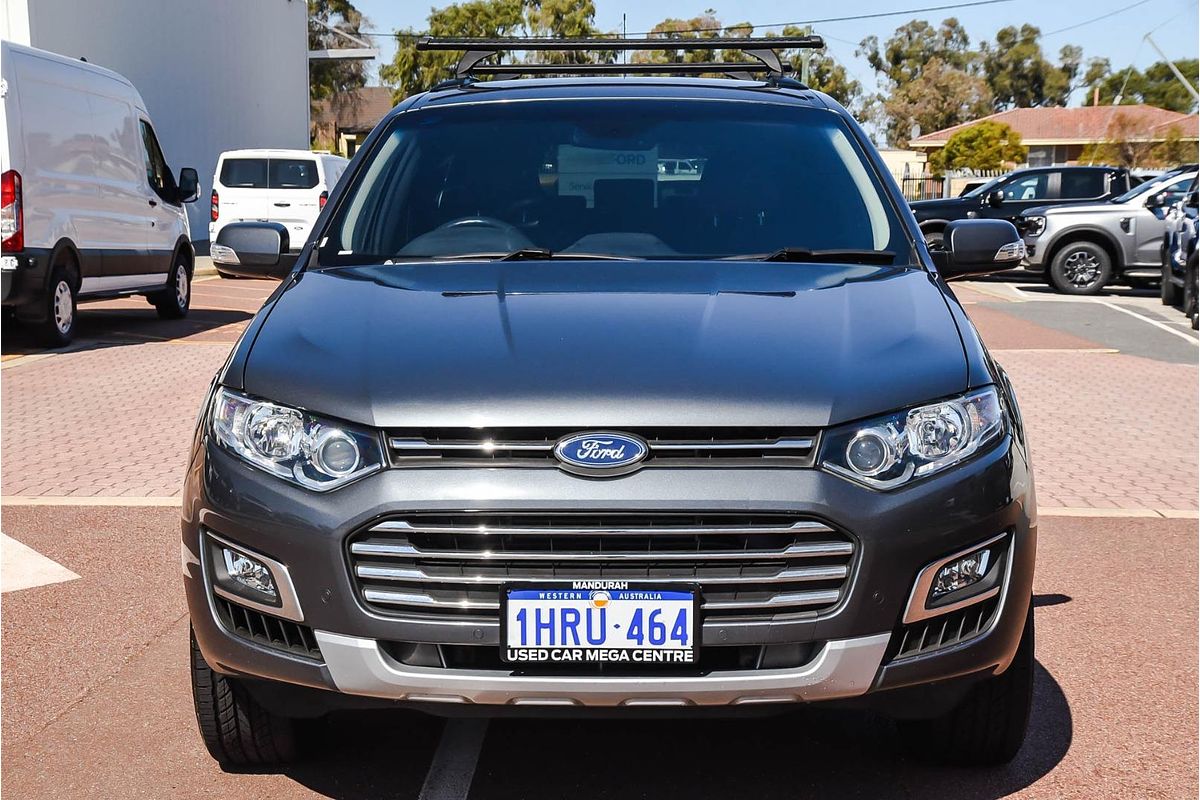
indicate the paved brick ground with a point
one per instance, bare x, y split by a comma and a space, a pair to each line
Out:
112, 416
148, 377
1140, 418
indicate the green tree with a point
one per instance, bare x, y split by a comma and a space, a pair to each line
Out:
413, 71
940, 97
1157, 86
1019, 74
334, 80
983, 146
929, 76
906, 53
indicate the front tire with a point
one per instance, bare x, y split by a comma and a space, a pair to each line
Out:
1168, 291
987, 727
174, 301
1081, 268
1191, 296
236, 729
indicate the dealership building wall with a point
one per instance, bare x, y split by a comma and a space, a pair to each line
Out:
215, 74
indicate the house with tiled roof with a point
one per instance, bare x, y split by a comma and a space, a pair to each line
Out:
342, 123
1059, 135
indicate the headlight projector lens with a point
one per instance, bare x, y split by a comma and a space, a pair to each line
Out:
870, 452
335, 453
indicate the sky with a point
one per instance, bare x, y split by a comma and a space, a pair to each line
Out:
1119, 37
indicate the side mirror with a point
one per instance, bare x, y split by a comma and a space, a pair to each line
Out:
253, 250
995, 199
1157, 200
977, 247
189, 185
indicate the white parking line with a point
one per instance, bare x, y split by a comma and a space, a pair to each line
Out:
23, 567
1161, 326
453, 766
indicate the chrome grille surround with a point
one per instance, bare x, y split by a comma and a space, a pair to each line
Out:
749, 566
668, 447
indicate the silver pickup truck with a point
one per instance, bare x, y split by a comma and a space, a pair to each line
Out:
1083, 248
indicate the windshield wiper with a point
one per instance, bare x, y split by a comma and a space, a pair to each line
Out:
533, 254
803, 255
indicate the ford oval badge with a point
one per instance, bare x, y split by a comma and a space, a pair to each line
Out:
600, 453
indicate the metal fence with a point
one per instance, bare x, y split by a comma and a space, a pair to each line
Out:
923, 187
929, 187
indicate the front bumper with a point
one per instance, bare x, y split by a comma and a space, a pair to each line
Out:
843, 668
898, 534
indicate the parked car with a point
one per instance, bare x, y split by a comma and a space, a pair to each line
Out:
285, 186
1082, 248
90, 207
517, 434
1007, 196
1179, 256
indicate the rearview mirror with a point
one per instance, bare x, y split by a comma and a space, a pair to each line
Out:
253, 250
189, 185
977, 247
995, 199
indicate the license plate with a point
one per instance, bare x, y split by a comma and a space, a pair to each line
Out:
599, 622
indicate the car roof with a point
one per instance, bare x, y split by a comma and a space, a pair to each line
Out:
265, 152
785, 91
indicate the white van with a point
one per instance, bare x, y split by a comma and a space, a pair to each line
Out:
285, 186
90, 208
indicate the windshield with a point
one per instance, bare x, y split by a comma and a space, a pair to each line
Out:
987, 187
616, 178
1148, 187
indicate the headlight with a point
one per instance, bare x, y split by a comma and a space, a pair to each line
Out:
1034, 226
314, 452
892, 450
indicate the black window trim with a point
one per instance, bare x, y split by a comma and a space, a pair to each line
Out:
170, 192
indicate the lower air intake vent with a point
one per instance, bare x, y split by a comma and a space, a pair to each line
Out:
941, 632
267, 631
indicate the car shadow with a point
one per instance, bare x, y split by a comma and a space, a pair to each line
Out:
811, 752
365, 754
103, 328
1035, 284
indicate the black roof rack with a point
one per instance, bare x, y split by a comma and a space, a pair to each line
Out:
764, 49
692, 68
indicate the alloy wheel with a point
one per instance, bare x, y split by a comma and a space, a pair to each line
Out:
1081, 268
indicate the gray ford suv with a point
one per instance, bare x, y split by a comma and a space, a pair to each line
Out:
534, 425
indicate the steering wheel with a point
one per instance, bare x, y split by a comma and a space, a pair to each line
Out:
478, 222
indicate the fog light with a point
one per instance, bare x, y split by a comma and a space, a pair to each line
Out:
961, 573
248, 572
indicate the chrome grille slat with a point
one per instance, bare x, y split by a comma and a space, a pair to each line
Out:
668, 446
806, 526
787, 575
810, 549
451, 565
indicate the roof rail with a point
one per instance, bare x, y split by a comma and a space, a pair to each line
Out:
764, 49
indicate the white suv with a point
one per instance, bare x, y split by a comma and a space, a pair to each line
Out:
285, 186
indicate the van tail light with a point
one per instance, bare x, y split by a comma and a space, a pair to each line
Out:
12, 217
216, 205
324, 199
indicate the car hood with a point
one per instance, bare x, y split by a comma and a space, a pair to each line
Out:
1090, 208
607, 344
926, 208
